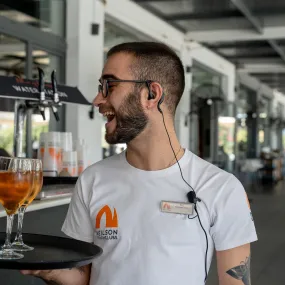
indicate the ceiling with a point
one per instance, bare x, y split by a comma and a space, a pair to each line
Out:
249, 33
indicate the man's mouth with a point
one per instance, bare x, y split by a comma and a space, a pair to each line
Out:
109, 115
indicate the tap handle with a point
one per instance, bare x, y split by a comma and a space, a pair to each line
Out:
41, 84
54, 87
42, 112
55, 113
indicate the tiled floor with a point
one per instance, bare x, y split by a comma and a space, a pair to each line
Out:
268, 253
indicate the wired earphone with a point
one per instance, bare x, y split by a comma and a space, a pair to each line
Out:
191, 195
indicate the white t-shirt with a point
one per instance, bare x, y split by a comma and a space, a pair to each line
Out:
117, 207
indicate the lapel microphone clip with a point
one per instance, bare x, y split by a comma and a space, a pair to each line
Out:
192, 198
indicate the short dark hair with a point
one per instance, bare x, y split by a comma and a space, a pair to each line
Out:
157, 62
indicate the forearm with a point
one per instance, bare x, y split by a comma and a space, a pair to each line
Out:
234, 266
240, 274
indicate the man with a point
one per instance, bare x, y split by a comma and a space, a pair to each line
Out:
118, 201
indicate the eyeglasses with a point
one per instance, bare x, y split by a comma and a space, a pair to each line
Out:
104, 86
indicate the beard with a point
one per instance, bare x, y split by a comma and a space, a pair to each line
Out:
130, 120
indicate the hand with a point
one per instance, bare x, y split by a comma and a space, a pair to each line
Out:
44, 274
71, 276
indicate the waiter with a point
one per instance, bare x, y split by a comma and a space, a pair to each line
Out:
158, 211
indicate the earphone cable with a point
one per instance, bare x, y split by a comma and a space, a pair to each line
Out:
207, 243
175, 155
195, 204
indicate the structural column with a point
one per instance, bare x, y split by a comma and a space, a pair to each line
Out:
252, 125
84, 65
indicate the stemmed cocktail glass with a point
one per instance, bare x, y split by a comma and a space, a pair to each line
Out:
36, 186
15, 186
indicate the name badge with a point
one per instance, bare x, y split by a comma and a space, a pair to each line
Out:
177, 208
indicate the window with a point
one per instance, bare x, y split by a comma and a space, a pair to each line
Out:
206, 85
47, 15
12, 63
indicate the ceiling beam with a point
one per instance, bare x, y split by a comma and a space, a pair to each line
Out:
202, 16
239, 45
248, 14
269, 74
216, 15
271, 79
262, 68
277, 48
212, 36
270, 61
257, 25
244, 56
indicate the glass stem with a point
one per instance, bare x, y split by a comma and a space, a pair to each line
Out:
10, 219
21, 213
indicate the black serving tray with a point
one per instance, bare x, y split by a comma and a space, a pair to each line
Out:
52, 252
59, 180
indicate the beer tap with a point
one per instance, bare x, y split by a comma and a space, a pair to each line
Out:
42, 93
56, 101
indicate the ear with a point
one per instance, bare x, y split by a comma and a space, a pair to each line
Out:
156, 97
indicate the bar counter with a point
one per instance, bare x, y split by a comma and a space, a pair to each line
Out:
37, 205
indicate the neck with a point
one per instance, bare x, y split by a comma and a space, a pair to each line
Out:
151, 150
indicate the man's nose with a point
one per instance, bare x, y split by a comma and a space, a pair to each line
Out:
99, 99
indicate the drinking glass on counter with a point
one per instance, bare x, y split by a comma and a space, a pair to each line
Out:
36, 186
15, 186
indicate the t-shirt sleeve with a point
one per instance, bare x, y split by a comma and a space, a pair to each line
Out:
232, 221
77, 223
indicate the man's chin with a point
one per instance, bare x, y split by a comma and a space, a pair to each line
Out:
110, 138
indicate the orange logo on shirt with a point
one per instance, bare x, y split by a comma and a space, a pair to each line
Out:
111, 219
111, 231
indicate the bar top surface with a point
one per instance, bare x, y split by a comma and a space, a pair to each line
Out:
42, 204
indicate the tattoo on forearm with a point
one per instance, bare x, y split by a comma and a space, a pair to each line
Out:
241, 272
